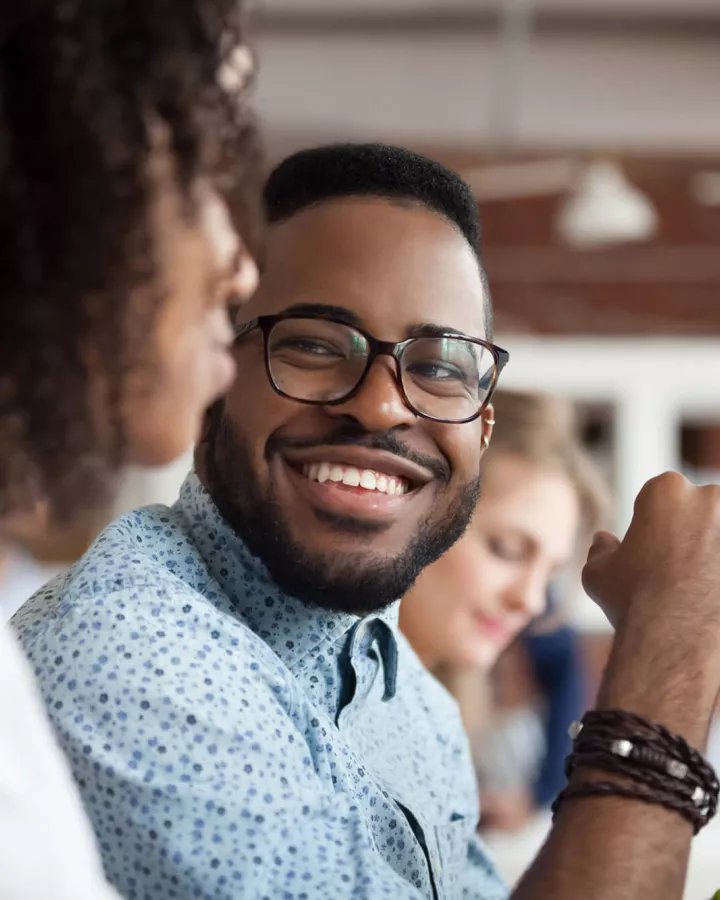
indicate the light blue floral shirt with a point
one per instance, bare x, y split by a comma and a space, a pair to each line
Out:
230, 742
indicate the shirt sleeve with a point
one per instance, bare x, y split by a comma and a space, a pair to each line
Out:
46, 843
192, 796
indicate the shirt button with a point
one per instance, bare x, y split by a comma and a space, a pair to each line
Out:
435, 860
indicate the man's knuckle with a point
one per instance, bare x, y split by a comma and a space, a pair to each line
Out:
710, 495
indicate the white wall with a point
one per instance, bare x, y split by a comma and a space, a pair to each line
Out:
435, 90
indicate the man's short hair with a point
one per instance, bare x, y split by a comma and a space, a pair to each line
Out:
79, 81
314, 176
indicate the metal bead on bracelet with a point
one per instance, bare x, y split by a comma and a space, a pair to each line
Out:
673, 767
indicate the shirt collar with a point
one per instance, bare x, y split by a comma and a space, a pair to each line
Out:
292, 629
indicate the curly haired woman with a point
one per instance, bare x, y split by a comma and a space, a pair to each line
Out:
124, 234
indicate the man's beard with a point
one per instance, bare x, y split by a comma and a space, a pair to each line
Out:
353, 582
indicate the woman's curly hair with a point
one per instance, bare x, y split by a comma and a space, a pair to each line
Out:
79, 81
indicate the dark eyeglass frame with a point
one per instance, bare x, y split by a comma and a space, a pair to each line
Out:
376, 348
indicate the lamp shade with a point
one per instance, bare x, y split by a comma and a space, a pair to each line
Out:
605, 208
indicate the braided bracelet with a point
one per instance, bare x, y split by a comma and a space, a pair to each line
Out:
656, 766
631, 792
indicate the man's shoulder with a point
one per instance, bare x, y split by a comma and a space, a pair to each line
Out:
146, 544
146, 552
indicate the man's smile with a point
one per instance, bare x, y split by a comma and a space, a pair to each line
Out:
356, 481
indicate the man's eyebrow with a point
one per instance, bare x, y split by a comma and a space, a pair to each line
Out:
325, 311
348, 317
431, 330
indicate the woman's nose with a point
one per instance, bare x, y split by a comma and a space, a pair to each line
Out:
231, 256
246, 276
527, 597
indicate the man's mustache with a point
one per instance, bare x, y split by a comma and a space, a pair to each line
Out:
349, 435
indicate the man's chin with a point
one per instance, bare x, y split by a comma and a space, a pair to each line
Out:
341, 578
351, 526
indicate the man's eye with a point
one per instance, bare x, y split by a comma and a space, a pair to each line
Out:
436, 371
310, 346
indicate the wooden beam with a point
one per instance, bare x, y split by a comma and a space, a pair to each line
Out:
678, 265
671, 23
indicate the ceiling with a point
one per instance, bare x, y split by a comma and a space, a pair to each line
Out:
650, 8
445, 13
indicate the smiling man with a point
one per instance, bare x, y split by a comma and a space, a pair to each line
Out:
226, 676
350, 458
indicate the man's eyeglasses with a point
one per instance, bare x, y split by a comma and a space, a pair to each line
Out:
324, 363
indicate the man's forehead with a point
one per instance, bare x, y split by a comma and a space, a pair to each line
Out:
365, 217
403, 265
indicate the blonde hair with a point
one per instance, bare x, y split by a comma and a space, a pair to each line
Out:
544, 429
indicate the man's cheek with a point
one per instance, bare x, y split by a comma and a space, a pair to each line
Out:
464, 463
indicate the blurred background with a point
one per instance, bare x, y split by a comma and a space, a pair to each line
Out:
589, 131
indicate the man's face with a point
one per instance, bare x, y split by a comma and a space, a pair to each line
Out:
392, 269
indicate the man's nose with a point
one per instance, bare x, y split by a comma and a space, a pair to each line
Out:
379, 404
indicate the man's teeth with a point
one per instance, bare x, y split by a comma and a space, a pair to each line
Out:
354, 477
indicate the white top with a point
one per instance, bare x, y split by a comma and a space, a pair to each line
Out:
20, 577
47, 849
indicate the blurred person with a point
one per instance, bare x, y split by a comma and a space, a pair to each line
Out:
538, 487
509, 743
554, 650
541, 502
537, 690
119, 249
116, 240
240, 711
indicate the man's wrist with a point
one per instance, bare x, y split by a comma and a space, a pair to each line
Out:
665, 672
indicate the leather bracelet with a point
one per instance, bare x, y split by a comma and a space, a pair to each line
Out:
630, 792
655, 765
691, 802
628, 735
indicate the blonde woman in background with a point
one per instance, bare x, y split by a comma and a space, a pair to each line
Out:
542, 499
